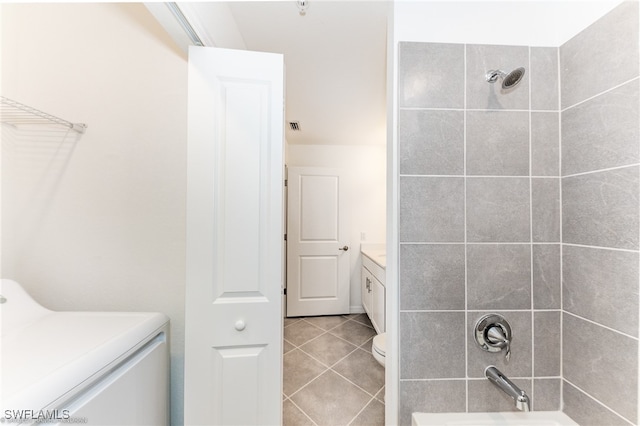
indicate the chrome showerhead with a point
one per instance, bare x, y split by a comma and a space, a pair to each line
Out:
508, 80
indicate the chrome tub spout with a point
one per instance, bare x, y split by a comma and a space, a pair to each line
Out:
519, 396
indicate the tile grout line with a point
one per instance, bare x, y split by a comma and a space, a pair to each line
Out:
561, 322
321, 362
473, 109
466, 285
308, 383
360, 412
325, 332
414, 175
588, 395
600, 247
303, 412
604, 92
356, 385
606, 169
531, 289
635, 338
478, 310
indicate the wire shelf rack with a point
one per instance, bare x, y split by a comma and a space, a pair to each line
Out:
17, 114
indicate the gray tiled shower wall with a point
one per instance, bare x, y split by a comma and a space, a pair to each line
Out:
600, 216
479, 224
488, 222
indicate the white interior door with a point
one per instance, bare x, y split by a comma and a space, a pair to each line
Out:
317, 246
233, 348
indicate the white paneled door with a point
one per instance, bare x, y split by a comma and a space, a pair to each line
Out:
317, 246
233, 342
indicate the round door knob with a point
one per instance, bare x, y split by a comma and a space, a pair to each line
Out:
240, 325
345, 248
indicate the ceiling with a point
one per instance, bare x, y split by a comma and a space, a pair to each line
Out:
335, 61
335, 55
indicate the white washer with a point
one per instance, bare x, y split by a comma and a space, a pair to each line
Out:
93, 368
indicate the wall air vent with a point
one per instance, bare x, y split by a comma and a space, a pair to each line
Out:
294, 126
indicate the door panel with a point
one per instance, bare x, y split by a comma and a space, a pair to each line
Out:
233, 341
317, 265
319, 208
315, 273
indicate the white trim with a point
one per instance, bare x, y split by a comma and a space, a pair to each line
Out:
392, 364
356, 309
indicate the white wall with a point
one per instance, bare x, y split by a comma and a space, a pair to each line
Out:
366, 191
513, 22
97, 222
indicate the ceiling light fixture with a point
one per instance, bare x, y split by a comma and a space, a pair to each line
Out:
302, 6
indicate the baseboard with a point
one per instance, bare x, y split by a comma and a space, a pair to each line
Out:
358, 309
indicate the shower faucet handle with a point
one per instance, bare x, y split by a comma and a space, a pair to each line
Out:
493, 334
507, 355
497, 336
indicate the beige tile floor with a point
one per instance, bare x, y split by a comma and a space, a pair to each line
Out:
330, 376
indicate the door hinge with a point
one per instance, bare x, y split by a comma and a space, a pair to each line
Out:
285, 291
285, 237
286, 182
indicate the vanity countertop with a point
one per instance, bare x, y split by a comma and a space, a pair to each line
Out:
379, 256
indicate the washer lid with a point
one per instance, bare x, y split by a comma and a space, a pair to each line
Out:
58, 351
380, 344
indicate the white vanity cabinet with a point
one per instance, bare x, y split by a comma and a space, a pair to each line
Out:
373, 289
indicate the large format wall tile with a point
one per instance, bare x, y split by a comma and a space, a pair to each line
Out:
545, 144
431, 142
544, 78
602, 132
602, 285
432, 345
601, 209
586, 411
431, 396
601, 362
547, 394
431, 209
545, 198
498, 143
485, 397
602, 56
432, 276
498, 210
483, 95
546, 276
546, 344
499, 276
520, 363
431, 75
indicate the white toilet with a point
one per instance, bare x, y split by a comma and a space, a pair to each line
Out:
379, 348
